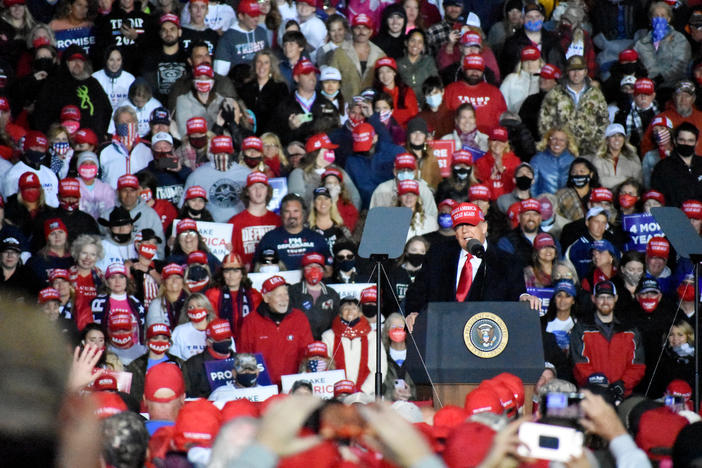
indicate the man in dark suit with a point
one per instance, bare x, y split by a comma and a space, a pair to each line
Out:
450, 273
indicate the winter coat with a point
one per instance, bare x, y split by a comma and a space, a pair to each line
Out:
345, 59
670, 60
516, 87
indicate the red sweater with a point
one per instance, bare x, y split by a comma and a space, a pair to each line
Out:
504, 182
402, 116
283, 346
487, 100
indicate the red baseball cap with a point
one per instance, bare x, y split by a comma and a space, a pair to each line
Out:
256, 177
54, 224
499, 134
164, 376
407, 186
386, 62
204, 69
343, 387
678, 387
172, 269
507, 400
363, 137
332, 171
197, 256
106, 383
601, 194
195, 191
29, 180
85, 135
232, 260
186, 224
116, 269
221, 144
303, 67
196, 125
628, 55
530, 53
479, 192
473, 62
654, 195
128, 181
252, 142
462, 157
530, 204
468, 444
69, 187
108, 404
514, 383
70, 112
692, 209
658, 247
550, 72
542, 240
644, 86
239, 408
369, 295
219, 330
450, 202
250, 8
48, 294
362, 20
169, 18
158, 329
35, 138
482, 400
466, 213
658, 429
662, 121
319, 141
405, 161
471, 38
316, 349
57, 273
272, 283
119, 321
312, 258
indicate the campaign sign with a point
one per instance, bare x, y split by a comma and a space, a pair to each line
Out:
443, 152
350, 289
219, 372
290, 277
322, 382
280, 189
215, 235
545, 294
640, 227
255, 394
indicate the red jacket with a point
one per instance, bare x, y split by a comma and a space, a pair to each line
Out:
503, 183
283, 346
620, 358
488, 101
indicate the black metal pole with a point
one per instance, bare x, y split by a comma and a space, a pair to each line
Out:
697, 334
378, 345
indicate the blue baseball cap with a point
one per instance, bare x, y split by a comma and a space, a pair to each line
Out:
604, 245
566, 286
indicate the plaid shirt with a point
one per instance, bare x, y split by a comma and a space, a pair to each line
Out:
437, 35
569, 204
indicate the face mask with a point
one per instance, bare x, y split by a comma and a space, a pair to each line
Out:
329, 156
158, 347
580, 181
415, 260
662, 137
70, 207
122, 340
197, 285
397, 335
334, 190
121, 238
332, 96
30, 194
203, 86
148, 251
126, 132
461, 174
195, 213
628, 69
685, 150
33, 158
146, 195
113, 74
417, 147
222, 347
251, 162
533, 26
405, 175
648, 304
198, 142
60, 148
313, 276
434, 100
88, 171
316, 365
686, 292
347, 265
631, 278
354, 122
659, 28
221, 162
197, 315
269, 269
43, 64
385, 116
319, 170
445, 221
523, 182
369, 310
352, 323
627, 201
246, 380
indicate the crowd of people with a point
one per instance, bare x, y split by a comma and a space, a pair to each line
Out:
530, 140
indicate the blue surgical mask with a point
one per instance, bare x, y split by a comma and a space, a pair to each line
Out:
445, 221
660, 28
405, 175
434, 100
534, 26
331, 97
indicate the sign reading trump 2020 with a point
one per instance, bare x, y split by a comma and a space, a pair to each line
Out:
640, 227
322, 382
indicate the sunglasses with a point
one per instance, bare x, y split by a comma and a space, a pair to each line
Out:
345, 257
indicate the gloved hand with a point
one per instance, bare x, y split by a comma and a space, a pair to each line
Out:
617, 388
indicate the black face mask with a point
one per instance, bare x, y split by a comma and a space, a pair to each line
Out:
121, 238
415, 260
222, 347
628, 68
524, 182
580, 181
246, 380
195, 213
417, 147
369, 310
113, 75
685, 150
352, 323
43, 64
33, 158
461, 174
347, 265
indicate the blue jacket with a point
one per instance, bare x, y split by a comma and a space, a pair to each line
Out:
550, 172
369, 172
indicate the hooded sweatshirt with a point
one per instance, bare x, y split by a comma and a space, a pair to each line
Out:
238, 46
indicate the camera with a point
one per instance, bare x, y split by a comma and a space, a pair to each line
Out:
549, 442
561, 405
675, 403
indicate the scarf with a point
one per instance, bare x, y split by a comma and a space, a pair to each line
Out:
235, 311
360, 330
468, 139
174, 309
633, 120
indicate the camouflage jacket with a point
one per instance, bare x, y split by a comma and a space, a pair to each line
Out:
587, 121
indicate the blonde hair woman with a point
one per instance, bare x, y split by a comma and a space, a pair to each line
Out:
617, 160
274, 154
189, 338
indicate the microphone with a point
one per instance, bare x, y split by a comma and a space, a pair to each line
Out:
475, 248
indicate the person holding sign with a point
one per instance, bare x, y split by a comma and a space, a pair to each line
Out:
245, 376
351, 343
219, 347
277, 330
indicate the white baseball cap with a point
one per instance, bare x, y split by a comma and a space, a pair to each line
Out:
161, 136
329, 73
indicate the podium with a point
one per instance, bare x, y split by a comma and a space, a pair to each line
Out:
460, 344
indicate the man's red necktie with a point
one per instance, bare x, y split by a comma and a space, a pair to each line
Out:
465, 281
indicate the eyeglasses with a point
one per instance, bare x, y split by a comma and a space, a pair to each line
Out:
345, 257
188, 234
